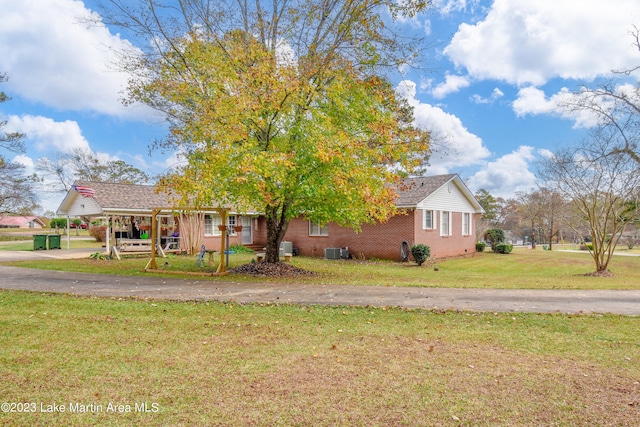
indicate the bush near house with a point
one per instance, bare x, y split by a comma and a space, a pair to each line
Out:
420, 253
480, 246
494, 236
503, 248
98, 232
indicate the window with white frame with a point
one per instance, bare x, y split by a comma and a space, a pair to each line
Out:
427, 220
466, 224
232, 222
445, 223
212, 221
316, 229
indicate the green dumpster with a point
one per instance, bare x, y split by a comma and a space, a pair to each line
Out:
39, 241
54, 241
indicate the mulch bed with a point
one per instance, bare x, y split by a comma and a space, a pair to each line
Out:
604, 273
269, 269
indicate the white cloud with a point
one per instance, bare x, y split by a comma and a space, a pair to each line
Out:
25, 161
451, 84
446, 7
530, 42
506, 175
48, 135
454, 145
495, 95
53, 59
533, 101
177, 158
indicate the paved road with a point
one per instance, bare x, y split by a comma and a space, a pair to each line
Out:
503, 300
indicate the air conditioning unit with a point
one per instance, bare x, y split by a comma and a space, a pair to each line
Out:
286, 248
332, 253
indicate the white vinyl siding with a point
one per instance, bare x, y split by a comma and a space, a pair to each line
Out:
445, 200
315, 229
445, 223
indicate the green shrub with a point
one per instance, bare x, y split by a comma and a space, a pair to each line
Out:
503, 248
58, 223
240, 249
420, 253
480, 246
494, 236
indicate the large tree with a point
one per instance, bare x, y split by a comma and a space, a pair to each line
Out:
599, 182
491, 216
16, 189
280, 107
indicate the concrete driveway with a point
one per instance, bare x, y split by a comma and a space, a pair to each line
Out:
502, 300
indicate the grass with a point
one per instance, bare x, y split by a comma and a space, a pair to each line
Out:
28, 245
237, 365
522, 269
147, 363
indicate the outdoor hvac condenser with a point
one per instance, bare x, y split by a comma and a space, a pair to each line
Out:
332, 253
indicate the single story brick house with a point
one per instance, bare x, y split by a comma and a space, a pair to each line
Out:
438, 211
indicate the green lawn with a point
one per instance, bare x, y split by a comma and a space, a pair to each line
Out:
23, 245
522, 269
236, 365
148, 363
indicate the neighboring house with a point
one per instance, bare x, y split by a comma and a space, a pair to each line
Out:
438, 211
21, 222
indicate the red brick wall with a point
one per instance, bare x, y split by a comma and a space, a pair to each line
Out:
383, 240
446, 246
379, 241
374, 241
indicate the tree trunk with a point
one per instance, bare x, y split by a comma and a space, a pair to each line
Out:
277, 224
533, 235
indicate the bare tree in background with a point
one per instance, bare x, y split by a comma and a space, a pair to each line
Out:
82, 164
600, 182
616, 107
16, 189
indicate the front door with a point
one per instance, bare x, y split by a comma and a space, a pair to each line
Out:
247, 234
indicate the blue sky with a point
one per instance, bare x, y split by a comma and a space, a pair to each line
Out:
492, 78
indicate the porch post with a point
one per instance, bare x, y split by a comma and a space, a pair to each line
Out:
154, 235
108, 236
68, 234
223, 267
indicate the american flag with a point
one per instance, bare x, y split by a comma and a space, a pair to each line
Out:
84, 191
